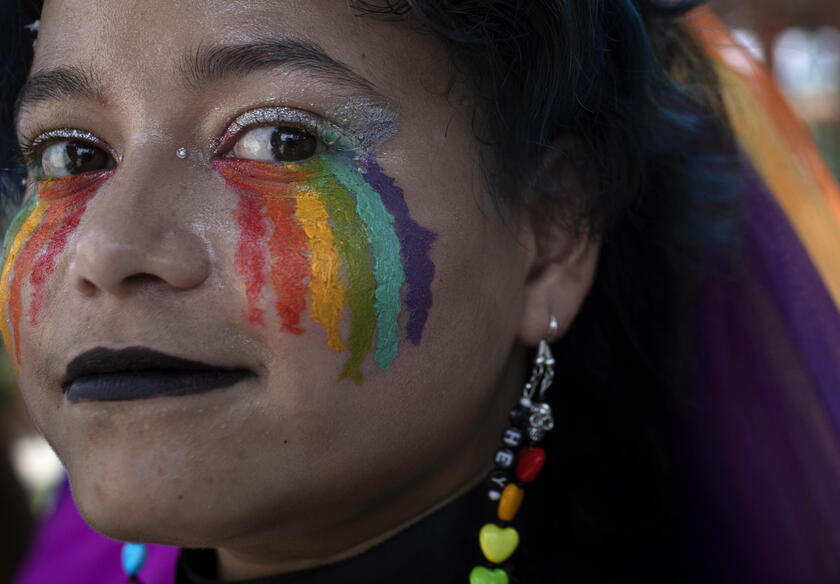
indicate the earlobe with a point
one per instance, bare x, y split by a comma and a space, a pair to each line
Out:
558, 288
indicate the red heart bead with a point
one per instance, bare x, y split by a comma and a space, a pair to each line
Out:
529, 463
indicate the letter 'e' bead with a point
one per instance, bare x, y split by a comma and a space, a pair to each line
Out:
505, 458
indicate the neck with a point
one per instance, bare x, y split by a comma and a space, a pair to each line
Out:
389, 510
238, 565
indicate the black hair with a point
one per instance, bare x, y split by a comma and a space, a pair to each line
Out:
627, 83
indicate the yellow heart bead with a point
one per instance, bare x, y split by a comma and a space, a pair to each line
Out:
498, 544
510, 501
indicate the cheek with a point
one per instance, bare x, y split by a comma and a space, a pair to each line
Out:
36, 237
344, 240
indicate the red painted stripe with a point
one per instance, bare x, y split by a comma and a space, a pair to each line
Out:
290, 266
60, 194
250, 258
24, 261
268, 183
71, 211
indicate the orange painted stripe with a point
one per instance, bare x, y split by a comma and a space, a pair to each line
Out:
23, 267
20, 238
328, 288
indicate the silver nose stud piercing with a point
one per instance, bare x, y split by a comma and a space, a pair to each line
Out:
181, 152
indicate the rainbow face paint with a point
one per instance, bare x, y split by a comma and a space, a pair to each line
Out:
36, 236
337, 229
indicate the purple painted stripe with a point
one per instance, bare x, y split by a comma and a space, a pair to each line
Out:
416, 241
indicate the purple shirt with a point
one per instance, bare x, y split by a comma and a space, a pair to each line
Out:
67, 551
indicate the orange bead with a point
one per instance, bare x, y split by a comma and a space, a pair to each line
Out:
510, 501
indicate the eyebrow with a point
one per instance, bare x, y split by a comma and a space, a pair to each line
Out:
212, 63
203, 66
57, 83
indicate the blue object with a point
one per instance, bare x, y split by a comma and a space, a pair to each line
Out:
133, 558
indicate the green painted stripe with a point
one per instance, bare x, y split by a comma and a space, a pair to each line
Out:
352, 242
387, 264
15, 225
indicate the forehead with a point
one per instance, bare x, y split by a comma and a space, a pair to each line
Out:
155, 31
144, 49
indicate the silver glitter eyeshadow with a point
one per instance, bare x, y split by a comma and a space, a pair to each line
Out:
369, 123
66, 134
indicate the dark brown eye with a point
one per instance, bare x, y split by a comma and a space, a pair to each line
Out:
277, 144
291, 144
71, 157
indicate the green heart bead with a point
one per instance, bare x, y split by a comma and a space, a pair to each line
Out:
481, 575
498, 544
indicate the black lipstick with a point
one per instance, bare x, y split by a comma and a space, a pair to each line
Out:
139, 373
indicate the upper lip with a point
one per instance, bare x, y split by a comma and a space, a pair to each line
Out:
131, 359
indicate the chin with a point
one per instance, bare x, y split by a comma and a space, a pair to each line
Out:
128, 508
128, 500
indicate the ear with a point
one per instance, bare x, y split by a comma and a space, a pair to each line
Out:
564, 260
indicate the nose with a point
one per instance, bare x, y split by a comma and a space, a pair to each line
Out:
134, 237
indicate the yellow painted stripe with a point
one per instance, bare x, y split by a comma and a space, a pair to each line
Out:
22, 235
780, 146
328, 289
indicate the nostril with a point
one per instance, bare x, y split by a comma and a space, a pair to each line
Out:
86, 287
89, 288
140, 279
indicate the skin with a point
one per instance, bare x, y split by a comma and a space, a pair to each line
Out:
292, 468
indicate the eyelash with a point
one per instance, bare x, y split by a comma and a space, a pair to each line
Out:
324, 130
31, 147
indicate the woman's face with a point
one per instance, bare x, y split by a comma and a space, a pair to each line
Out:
283, 189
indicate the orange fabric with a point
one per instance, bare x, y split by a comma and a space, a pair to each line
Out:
779, 144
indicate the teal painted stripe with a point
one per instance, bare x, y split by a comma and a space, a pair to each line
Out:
387, 264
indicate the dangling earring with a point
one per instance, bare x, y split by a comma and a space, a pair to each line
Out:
133, 557
520, 457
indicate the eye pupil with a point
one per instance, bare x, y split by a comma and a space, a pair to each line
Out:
71, 157
83, 157
291, 144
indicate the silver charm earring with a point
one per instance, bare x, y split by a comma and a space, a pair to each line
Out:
553, 328
541, 419
181, 152
518, 463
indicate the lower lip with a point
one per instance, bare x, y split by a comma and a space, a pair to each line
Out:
149, 384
